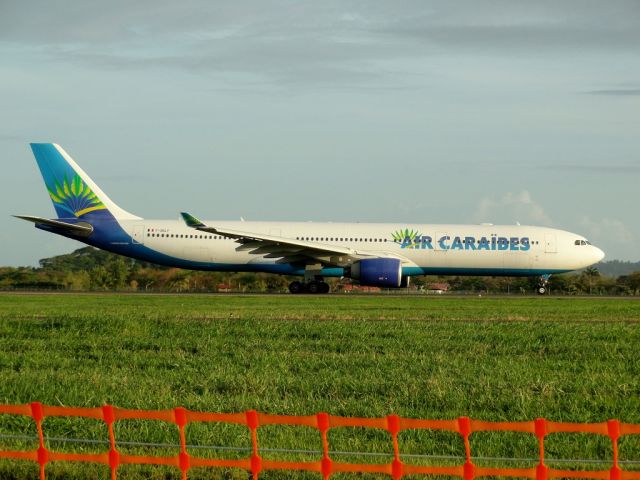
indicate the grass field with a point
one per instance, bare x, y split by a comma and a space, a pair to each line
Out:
490, 358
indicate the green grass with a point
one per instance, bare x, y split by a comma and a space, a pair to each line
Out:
509, 359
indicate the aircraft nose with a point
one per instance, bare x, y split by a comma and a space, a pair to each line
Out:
597, 254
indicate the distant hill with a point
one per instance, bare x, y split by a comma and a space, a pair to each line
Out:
615, 268
87, 258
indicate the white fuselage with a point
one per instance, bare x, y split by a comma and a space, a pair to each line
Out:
436, 249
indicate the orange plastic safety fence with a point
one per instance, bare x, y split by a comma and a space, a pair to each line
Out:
253, 420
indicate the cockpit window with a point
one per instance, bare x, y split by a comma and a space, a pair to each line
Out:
582, 242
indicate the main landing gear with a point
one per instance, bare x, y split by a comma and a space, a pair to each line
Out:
543, 284
313, 286
313, 281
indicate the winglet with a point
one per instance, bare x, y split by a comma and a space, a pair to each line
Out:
191, 221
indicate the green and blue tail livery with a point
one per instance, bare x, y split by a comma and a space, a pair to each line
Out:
73, 193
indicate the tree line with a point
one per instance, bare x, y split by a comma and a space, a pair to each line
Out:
90, 269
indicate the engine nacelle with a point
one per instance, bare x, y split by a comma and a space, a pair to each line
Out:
378, 272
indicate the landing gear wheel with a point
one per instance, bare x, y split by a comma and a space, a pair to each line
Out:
324, 287
543, 283
295, 287
314, 287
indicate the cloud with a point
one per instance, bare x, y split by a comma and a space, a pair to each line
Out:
511, 208
607, 231
616, 92
614, 169
505, 26
256, 45
7, 137
334, 42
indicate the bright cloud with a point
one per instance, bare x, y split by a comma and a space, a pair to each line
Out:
512, 208
609, 230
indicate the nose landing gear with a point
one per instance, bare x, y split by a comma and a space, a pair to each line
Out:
543, 284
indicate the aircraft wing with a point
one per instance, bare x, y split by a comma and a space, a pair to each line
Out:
288, 250
75, 228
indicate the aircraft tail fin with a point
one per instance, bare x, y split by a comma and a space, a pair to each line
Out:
73, 193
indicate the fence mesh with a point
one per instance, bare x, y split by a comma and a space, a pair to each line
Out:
322, 422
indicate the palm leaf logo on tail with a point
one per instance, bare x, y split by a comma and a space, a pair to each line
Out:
74, 196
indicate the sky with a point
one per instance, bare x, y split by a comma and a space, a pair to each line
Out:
415, 112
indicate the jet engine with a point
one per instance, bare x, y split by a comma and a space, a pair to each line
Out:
377, 272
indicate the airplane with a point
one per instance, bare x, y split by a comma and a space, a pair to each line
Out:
384, 255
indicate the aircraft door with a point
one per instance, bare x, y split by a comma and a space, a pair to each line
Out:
550, 243
137, 235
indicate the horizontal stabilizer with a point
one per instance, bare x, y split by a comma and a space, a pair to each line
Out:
84, 229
